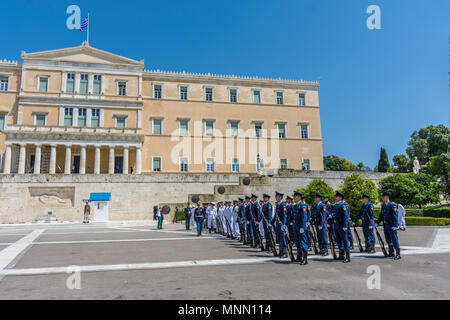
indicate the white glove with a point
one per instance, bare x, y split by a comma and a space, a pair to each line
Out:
370, 227
308, 224
376, 225
328, 225
353, 224
345, 229
302, 230
292, 223
394, 228
320, 228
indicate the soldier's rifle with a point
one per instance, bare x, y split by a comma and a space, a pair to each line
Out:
257, 231
359, 240
331, 240
287, 239
312, 236
272, 239
380, 240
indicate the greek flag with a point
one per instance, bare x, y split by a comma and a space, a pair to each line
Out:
84, 24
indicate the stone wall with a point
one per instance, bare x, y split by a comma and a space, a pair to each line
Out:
23, 198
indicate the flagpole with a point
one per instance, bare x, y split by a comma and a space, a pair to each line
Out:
89, 22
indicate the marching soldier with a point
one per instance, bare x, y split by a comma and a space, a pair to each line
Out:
254, 210
289, 216
366, 215
389, 216
342, 216
235, 219
308, 221
320, 221
281, 218
240, 218
199, 217
247, 218
299, 227
187, 216
212, 213
266, 217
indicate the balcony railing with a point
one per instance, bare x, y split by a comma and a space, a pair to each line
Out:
64, 129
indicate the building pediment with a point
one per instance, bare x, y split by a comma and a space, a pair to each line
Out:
84, 54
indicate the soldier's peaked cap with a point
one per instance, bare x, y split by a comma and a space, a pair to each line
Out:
296, 193
247, 197
279, 194
240, 199
365, 195
386, 194
318, 195
338, 194
254, 196
288, 198
265, 195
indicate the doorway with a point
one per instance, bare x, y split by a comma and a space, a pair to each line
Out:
76, 164
118, 164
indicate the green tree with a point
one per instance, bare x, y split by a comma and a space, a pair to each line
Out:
439, 167
353, 188
401, 163
429, 142
317, 186
335, 163
383, 163
410, 189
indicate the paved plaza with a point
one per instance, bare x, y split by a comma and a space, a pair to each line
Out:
137, 261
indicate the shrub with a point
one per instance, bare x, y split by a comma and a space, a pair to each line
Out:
317, 186
353, 188
180, 216
427, 221
442, 211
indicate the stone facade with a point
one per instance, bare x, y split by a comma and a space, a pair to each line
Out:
82, 110
23, 198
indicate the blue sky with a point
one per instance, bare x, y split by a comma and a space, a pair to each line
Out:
377, 86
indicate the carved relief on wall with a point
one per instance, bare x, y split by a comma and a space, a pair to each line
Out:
51, 197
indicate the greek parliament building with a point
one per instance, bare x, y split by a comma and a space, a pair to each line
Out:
82, 110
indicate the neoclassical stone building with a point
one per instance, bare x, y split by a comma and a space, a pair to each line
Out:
82, 110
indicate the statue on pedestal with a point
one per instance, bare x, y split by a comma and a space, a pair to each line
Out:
416, 165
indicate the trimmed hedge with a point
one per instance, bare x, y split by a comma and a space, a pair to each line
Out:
442, 211
410, 212
180, 216
426, 221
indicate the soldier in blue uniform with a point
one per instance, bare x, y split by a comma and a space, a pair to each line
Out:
289, 217
341, 217
199, 217
280, 223
299, 227
240, 217
320, 216
389, 216
246, 214
308, 221
254, 208
366, 215
330, 211
266, 218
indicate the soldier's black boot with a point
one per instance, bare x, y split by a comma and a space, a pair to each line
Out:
341, 255
351, 245
283, 253
325, 251
304, 258
367, 247
347, 256
372, 248
299, 255
391, 252
397, 254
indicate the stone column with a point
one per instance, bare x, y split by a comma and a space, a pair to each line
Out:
125, 160
22, 156
97, 160
111, 160
138, 161
83, 160
52, 168
37, 160
68, 162
7, 165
